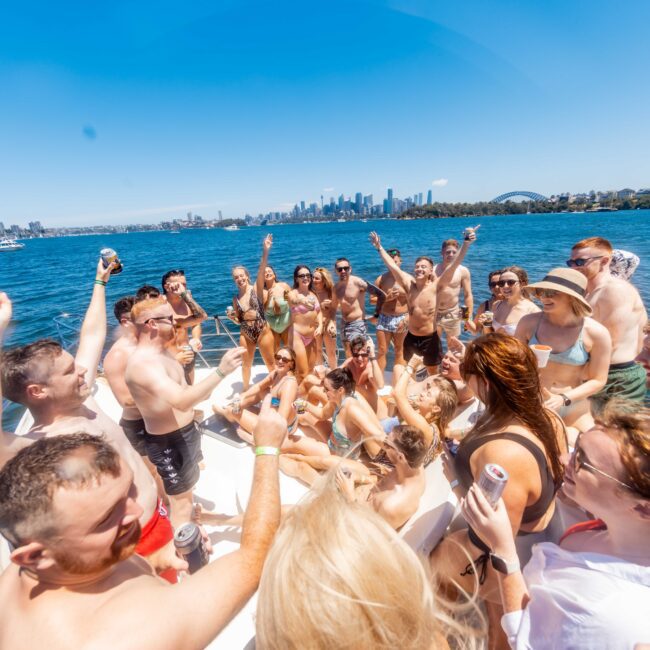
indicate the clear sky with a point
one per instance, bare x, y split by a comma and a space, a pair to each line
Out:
126, 112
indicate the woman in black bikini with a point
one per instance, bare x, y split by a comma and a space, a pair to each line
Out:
254, 330
518, 433
477, 325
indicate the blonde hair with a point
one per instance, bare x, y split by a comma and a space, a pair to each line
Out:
328, 283
578, 307
338, 576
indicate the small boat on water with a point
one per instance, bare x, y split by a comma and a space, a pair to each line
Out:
233, 227
7, 245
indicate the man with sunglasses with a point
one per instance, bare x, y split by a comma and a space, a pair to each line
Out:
422, 295
350, 295
188, 314
618, 306
166, 401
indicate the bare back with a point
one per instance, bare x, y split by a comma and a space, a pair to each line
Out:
115, 363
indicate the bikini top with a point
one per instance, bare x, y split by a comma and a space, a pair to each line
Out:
508, 328
303, 309
576, 355
468, 447
338, 441
253, 305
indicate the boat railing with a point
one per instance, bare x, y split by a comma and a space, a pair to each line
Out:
68, 327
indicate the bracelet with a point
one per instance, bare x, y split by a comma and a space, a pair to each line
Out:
372, 358
411, 369
101, 283
454, 484
267, 451
220, 373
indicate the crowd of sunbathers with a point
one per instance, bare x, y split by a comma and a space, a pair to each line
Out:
546, 379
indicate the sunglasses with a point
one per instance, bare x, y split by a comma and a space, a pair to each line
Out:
580, 262
169, 319
507, 283
493, 285
302, 276
360, 354
580, 462
280, 357
546, 293
175, 272
340, 269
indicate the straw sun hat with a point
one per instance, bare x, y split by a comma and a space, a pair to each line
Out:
568, 281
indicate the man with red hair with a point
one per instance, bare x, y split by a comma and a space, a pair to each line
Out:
618, 306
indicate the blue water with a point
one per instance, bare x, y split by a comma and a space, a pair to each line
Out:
51, 276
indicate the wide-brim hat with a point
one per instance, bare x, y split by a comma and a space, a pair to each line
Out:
568, 281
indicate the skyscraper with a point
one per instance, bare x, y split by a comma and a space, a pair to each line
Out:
302, 206
390, 196
358, 202
341, 202
429, 197
420, 198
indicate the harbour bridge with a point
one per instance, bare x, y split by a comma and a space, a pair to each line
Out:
533, 196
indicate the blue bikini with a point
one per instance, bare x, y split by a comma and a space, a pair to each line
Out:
576, 355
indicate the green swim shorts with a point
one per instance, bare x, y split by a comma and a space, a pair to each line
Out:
624, 380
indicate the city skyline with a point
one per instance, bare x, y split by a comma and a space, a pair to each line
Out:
120, 113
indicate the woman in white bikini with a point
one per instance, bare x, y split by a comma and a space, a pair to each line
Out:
514, 304
323, 286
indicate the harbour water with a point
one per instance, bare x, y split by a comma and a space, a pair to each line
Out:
52, 276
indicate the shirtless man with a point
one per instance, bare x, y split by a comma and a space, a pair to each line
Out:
450, 314
350, 295
397, 495
618, 306
68, 506
392, 315
421, 290
188, 314
56, 388
166, 401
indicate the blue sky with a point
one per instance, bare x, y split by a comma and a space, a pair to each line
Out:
128, 112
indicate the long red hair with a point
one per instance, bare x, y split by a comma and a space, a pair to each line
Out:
509, 370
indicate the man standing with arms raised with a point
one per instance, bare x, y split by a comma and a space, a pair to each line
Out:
421, 289
166, 401
67, 505
618, 306
56, 388
350, 295
450, 314
188, 314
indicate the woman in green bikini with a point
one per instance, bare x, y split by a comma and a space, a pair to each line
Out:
273, 295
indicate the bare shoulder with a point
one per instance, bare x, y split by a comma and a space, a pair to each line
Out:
595, 329
528, 322
617, 290
530, 307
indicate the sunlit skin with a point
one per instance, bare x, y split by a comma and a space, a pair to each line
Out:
328, 336
513, 305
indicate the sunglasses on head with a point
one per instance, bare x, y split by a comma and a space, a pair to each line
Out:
580, 462
546, 293
302, 276
582, 261
507, 283
340, 269
175, 272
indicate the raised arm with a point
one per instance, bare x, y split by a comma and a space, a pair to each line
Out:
406, 410
401, 277
191, 614
373, 433
155, 381
468, 239
93, 330
197, 313
264, 262
375, 373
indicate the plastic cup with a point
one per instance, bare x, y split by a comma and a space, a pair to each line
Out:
542, 353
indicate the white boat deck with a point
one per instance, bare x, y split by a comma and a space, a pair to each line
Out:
224, 487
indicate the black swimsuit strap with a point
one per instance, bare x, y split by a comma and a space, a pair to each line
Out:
531, 513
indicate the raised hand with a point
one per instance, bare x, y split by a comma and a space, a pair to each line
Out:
456, 347
271, 427
268, 242
415, 362
104, 272
470, 234
231, 360
375, 240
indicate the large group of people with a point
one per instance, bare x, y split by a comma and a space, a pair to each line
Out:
547, 381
